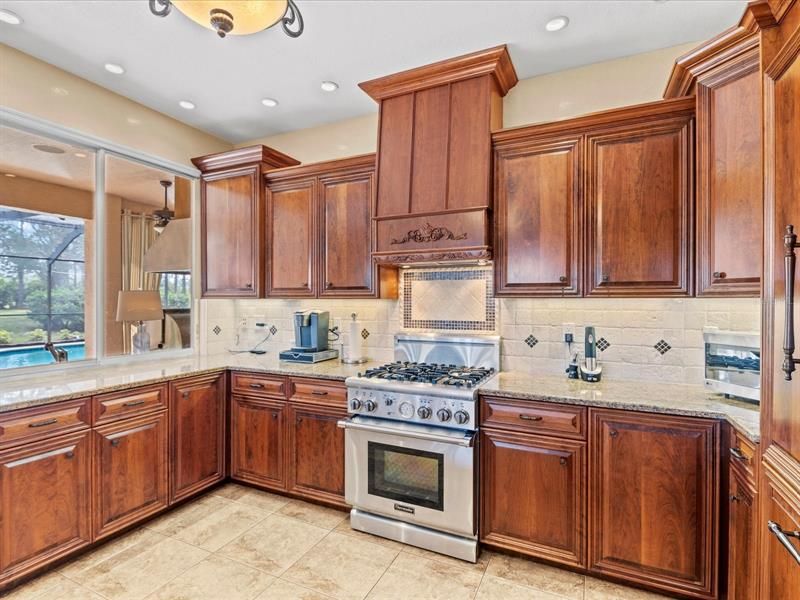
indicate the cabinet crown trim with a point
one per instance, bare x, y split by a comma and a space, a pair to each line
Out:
326, 168
491, 61
244, 156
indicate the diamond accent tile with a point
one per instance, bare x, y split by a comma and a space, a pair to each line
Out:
531, 341
273, 330
662, 346
603, 344
217, 330
364, 333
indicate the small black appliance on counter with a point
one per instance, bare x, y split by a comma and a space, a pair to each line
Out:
310, 338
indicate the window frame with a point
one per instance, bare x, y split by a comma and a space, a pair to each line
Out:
103, 148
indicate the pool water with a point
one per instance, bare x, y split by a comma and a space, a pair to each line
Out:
11, 358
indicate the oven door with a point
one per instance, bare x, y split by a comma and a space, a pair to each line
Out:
414, 473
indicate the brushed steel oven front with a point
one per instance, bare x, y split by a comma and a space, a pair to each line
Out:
413, 473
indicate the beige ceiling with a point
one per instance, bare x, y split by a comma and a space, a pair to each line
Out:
125, 178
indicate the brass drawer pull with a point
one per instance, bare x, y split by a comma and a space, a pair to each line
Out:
43, 423
530, 417
134, 403
319, 393
738, 454
257, 386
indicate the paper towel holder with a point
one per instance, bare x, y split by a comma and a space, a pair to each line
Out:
346, 357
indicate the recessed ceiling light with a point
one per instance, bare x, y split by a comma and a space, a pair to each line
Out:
6, 16
59, 91
48, 149
271, 102
133, 120
9, 174
557, 24
329, 86
186, 104
80, 155
115, 68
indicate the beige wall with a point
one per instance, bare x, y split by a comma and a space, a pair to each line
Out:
28, 85
630, 80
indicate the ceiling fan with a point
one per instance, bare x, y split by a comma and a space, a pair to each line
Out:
164, 215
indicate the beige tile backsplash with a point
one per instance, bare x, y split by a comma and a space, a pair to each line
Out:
632, 327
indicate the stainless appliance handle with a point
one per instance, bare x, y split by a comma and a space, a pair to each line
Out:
783, 537
465, 442
789, 263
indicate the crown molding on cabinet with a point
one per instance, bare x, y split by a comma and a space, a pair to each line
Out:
244, 156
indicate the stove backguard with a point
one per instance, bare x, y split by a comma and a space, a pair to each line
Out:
470, 351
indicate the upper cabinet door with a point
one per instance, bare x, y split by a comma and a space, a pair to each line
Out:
729, 179
538, 218
639, 201
231, 216
346, 233
291, 236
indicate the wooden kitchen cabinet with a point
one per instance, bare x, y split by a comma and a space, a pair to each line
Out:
640, 201
538, 216
197, 430
742, 539
533, 495
320, 232
232, 248
130, 471
45, 490
780, 504
258, 441
654, 500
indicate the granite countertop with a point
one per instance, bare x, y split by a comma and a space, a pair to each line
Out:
644, 396
689, 400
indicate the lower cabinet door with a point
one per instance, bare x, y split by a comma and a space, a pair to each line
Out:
780, 503
197, 427
45, 491
532, 495
654, 500
258, 442
317, 452
742, 582
130, 471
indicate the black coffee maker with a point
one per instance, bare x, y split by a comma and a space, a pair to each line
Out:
310, 338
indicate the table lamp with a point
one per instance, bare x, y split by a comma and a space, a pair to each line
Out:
139, 306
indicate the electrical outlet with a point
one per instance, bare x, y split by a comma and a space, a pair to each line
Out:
568, 338
568, 329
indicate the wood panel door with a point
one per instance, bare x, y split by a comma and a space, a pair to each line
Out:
316, 454
197, 427
258, 442
729, 179
345, 214
533, 496
131, 474
639, 201
231, 221
780, 505
538, 218
742, 565
45, 490
654, 500
292, 225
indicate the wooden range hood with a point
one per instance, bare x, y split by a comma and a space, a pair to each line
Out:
434, 166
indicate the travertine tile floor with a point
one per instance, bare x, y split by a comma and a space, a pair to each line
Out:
237, 543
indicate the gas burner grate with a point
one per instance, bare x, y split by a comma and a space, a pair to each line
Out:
440, 374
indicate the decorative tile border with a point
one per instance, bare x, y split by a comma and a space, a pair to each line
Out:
455, 274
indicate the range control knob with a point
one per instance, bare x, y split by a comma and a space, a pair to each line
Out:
355, 404
369, 406
444, 415
461, 417
424, 412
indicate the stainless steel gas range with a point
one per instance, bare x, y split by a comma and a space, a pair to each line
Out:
410, 439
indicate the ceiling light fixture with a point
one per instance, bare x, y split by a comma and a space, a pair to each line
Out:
59, 91
164, 215
235, 17
114, 68
329, 86
270, 102
9, 175
6, 16
80, 155
186, 104
556, 24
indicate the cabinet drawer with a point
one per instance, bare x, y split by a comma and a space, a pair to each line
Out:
251, 384
27, 425
743, 455
110, 407
525, 415
314, 390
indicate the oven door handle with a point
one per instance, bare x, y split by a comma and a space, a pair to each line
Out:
463, 441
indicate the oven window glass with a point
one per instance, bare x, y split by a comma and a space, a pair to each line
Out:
406, 474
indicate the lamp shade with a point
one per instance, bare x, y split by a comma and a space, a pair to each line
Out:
139, 305
249, 16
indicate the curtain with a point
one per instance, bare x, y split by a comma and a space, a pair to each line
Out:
137, 236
